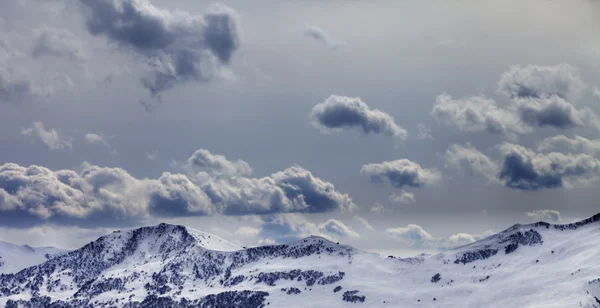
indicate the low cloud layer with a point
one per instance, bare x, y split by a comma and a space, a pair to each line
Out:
178, 47
544, 215
287, 228
342, 112
401, 173
414, 236
576, 144
50, 137
100, 195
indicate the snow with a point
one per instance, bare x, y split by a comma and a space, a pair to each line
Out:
552, 266
14, 258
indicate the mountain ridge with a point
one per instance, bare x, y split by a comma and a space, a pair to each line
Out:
174, 266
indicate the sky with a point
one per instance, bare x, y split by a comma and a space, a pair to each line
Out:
398, 127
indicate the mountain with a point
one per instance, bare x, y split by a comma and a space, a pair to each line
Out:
14, 258
535, 265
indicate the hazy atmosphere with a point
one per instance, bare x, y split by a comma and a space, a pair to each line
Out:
397, 127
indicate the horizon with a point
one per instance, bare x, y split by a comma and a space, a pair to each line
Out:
384, 254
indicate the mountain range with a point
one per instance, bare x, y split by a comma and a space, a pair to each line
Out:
532, 265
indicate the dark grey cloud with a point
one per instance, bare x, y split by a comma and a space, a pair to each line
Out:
99, 194
318, 34
342, 112
524, 169
551, 111
401, 173
535, 81
178, 47
13, 87
58, 43
476, 114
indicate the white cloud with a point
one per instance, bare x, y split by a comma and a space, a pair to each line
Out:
545, 215
477, 114
403, 197
152, 155
469, 160
318, 34
535, 81
401, 173
102, 195
52, 138
577, 144
92, 138
363, 222
414, 236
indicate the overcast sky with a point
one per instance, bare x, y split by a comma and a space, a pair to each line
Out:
398, 127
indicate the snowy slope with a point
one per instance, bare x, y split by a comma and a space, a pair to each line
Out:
536, 265
14, 258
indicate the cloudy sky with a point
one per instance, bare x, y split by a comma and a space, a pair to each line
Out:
398, 127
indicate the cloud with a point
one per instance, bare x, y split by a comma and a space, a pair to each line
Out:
247, 232
416, 237
468, 161
218, 165
551, 111
401, 173
476, 114
286, 228
337, 228
545, 215
526, 170
92, 138
403, 197
152, 155
112, 196
58, 43
318, 34
342, 112
51, 137
523, 169
378, 209
534, 81
577, 144
177, 47
423, 132
14, 88
363, 222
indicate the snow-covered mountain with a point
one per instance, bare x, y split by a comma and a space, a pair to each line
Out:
535, 265
14, 258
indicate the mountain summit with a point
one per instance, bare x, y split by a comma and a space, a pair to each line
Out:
535, 265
